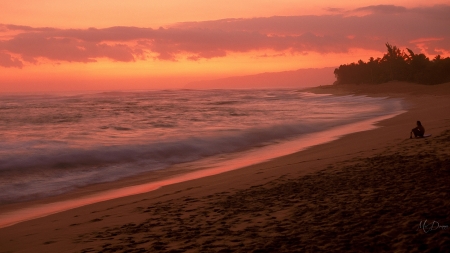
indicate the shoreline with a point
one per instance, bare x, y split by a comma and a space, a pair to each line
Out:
15, 213
422, 100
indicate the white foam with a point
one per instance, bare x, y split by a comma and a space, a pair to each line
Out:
41, 156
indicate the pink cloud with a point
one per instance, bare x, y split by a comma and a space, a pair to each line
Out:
32, 46
9, 62
382, 9
337, 33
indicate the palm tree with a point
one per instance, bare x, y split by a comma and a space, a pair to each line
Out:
395, 60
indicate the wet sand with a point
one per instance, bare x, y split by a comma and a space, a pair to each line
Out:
370, 191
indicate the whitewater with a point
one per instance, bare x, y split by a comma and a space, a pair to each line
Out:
56, 143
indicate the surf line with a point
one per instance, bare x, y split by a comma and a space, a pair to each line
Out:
248, 158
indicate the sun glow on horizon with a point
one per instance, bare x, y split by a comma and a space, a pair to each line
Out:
153, 74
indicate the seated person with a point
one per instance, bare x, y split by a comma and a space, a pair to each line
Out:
418, 131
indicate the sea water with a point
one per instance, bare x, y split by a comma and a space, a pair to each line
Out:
52, 144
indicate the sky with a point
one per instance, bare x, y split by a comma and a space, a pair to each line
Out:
53, 45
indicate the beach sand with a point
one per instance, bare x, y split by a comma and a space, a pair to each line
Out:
370, 191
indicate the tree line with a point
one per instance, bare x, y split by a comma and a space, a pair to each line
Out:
396, 65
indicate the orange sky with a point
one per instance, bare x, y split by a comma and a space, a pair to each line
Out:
91, 44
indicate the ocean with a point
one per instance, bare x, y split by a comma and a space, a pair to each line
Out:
56, 143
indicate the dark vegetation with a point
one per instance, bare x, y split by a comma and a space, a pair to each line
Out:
396, 65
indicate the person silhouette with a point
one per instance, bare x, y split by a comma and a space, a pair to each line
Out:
418, 131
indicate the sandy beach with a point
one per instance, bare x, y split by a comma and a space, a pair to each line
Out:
371, 191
